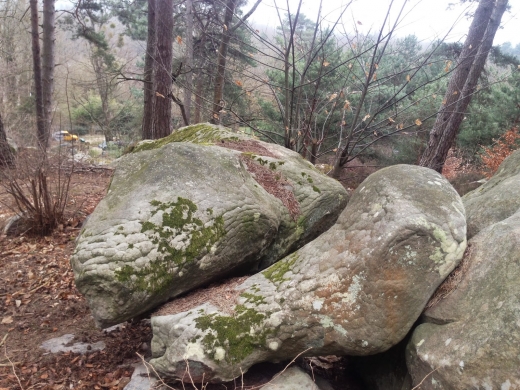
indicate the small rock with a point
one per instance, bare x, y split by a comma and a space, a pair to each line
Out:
141, 380
294, 378
59, 344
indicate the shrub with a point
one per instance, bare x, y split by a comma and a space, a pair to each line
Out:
38, 187
493, 156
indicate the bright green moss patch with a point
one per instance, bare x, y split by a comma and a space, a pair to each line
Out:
197, 240
238, 335
251, 298
262, 161
276, 272
198, 134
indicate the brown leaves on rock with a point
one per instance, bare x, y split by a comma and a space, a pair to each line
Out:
249, 146
220, 294
271, 180
274, 183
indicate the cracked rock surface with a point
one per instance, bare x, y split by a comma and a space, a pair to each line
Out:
179, 215
355, 290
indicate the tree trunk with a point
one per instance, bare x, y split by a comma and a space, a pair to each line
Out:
450, 132
6, 157
48, 64
104, 89
148, 129
199, 102
218, 103
37, 71
432, 156
189, 58
163, 104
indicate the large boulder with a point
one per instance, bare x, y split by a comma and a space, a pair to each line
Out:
472, 337
178, 215
355, 290
496, 200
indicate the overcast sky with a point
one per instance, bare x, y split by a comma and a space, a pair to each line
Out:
428, 19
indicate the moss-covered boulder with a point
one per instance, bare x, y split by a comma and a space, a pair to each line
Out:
496, 200
471, 339
182, 214
357, 289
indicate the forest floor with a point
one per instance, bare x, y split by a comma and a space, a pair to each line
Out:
39, 301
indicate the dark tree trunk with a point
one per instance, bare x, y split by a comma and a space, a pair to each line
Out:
189, 58
453, 126
149, 87
37, 71
48, 64
218, 103
6, 157
438, 144
163, 104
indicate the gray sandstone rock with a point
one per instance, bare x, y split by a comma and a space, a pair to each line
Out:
472, 337
294, 378
64, 344
355, 290
180, 214
142, 379
497, 199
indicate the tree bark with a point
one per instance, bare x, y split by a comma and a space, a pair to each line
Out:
450, 132
6, 157
189, 58
198, 97
148, 128
218, 103
163, 105
432, 156
48, 64
37, 72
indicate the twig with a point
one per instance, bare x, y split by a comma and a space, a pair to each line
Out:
146, 365
12, 364
281, 372
420, 383
3, 340
189, 375
203, 386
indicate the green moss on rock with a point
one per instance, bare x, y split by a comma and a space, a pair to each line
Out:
202, 133
276, 272
177, 219
238, 335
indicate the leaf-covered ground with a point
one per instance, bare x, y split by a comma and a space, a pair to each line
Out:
39, 301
